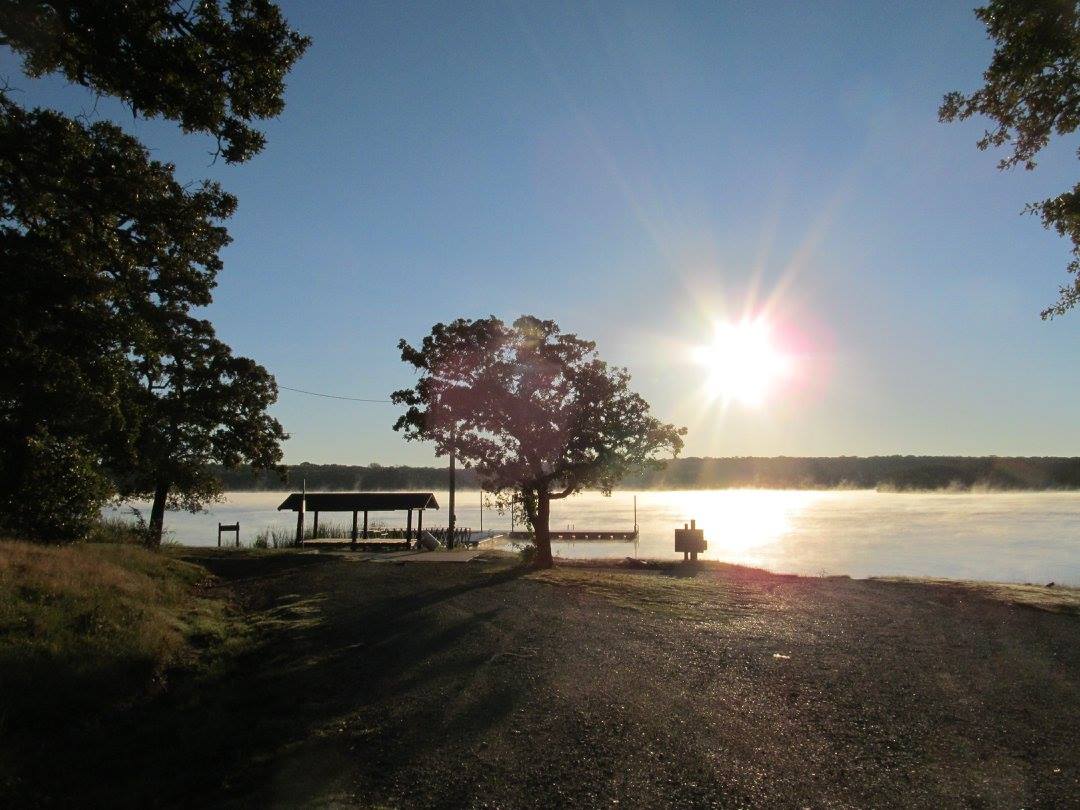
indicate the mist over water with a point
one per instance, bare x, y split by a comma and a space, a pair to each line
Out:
1019, 537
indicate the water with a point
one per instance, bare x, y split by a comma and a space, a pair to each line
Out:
1017, 537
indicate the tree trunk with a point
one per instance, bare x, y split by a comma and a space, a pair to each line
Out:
541, 530
157, 517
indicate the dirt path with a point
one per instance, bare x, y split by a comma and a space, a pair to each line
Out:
477, 686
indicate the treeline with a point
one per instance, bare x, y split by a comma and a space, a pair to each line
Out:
899, 473
342, 478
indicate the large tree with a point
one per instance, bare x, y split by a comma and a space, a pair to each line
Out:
1031, 93
535, 410
95, 239
101, 248
199, 405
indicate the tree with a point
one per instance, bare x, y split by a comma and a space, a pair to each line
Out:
200, 405
213, 66
95, 238
101, 248
533, 409
1031, 92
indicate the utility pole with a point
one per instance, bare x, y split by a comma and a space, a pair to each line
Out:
452, 519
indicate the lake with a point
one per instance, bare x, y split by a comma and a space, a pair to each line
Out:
1019, 537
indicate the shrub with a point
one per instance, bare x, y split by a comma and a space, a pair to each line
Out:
57, 492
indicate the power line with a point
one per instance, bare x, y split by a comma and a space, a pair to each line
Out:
332, 396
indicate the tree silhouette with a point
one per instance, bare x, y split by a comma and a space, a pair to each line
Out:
199, 405
101, 248
533, 409
95, 239
1031, 92
211, 66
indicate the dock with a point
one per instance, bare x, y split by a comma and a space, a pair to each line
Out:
371, 544
576, 535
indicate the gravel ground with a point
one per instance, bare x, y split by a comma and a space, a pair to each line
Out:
482, 685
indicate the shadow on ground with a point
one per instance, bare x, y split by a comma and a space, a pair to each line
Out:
481, 685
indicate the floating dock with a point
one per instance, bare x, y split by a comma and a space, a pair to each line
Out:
577, 534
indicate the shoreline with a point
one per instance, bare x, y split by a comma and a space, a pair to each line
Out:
1069, 592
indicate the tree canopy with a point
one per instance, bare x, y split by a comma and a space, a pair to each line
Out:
105, 254
535, 410
1031, 93
94, 238
212, 66
199, 405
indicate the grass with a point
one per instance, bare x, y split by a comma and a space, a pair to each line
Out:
115, 529
277, 537
88, 628
672, 596
1053, 599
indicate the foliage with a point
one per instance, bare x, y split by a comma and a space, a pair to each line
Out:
104, 252
95, 237
199, 404
61, 492
117, 530
341, 477
1031, 93
212, 66
900, 473
782, 472
533, 409
527, 553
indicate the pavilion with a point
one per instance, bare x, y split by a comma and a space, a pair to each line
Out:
357, 502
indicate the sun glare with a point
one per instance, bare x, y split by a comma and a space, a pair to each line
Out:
742, 364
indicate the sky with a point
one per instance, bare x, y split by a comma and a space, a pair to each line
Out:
639, 172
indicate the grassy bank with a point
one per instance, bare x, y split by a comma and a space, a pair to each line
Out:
86, 630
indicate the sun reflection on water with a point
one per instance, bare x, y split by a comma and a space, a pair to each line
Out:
738, 522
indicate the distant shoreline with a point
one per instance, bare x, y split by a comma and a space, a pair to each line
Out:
882, 473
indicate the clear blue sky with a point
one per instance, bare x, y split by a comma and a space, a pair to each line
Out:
632, 170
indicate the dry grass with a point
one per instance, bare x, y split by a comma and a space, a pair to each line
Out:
1056, 599
84, 627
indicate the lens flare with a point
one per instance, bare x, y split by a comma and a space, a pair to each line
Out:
742, 363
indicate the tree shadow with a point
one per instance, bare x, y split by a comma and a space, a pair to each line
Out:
334, 676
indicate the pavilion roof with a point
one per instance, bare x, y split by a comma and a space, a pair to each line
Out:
361, 501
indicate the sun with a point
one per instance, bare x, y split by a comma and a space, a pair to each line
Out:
742, 364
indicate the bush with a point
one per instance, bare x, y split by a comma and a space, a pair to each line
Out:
527, 553
55, 490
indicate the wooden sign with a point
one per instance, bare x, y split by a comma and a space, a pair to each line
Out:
690, 539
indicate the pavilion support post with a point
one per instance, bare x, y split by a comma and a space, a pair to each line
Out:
408, 528
365, 525
419, 525
300, 516
315, 527
354, 516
